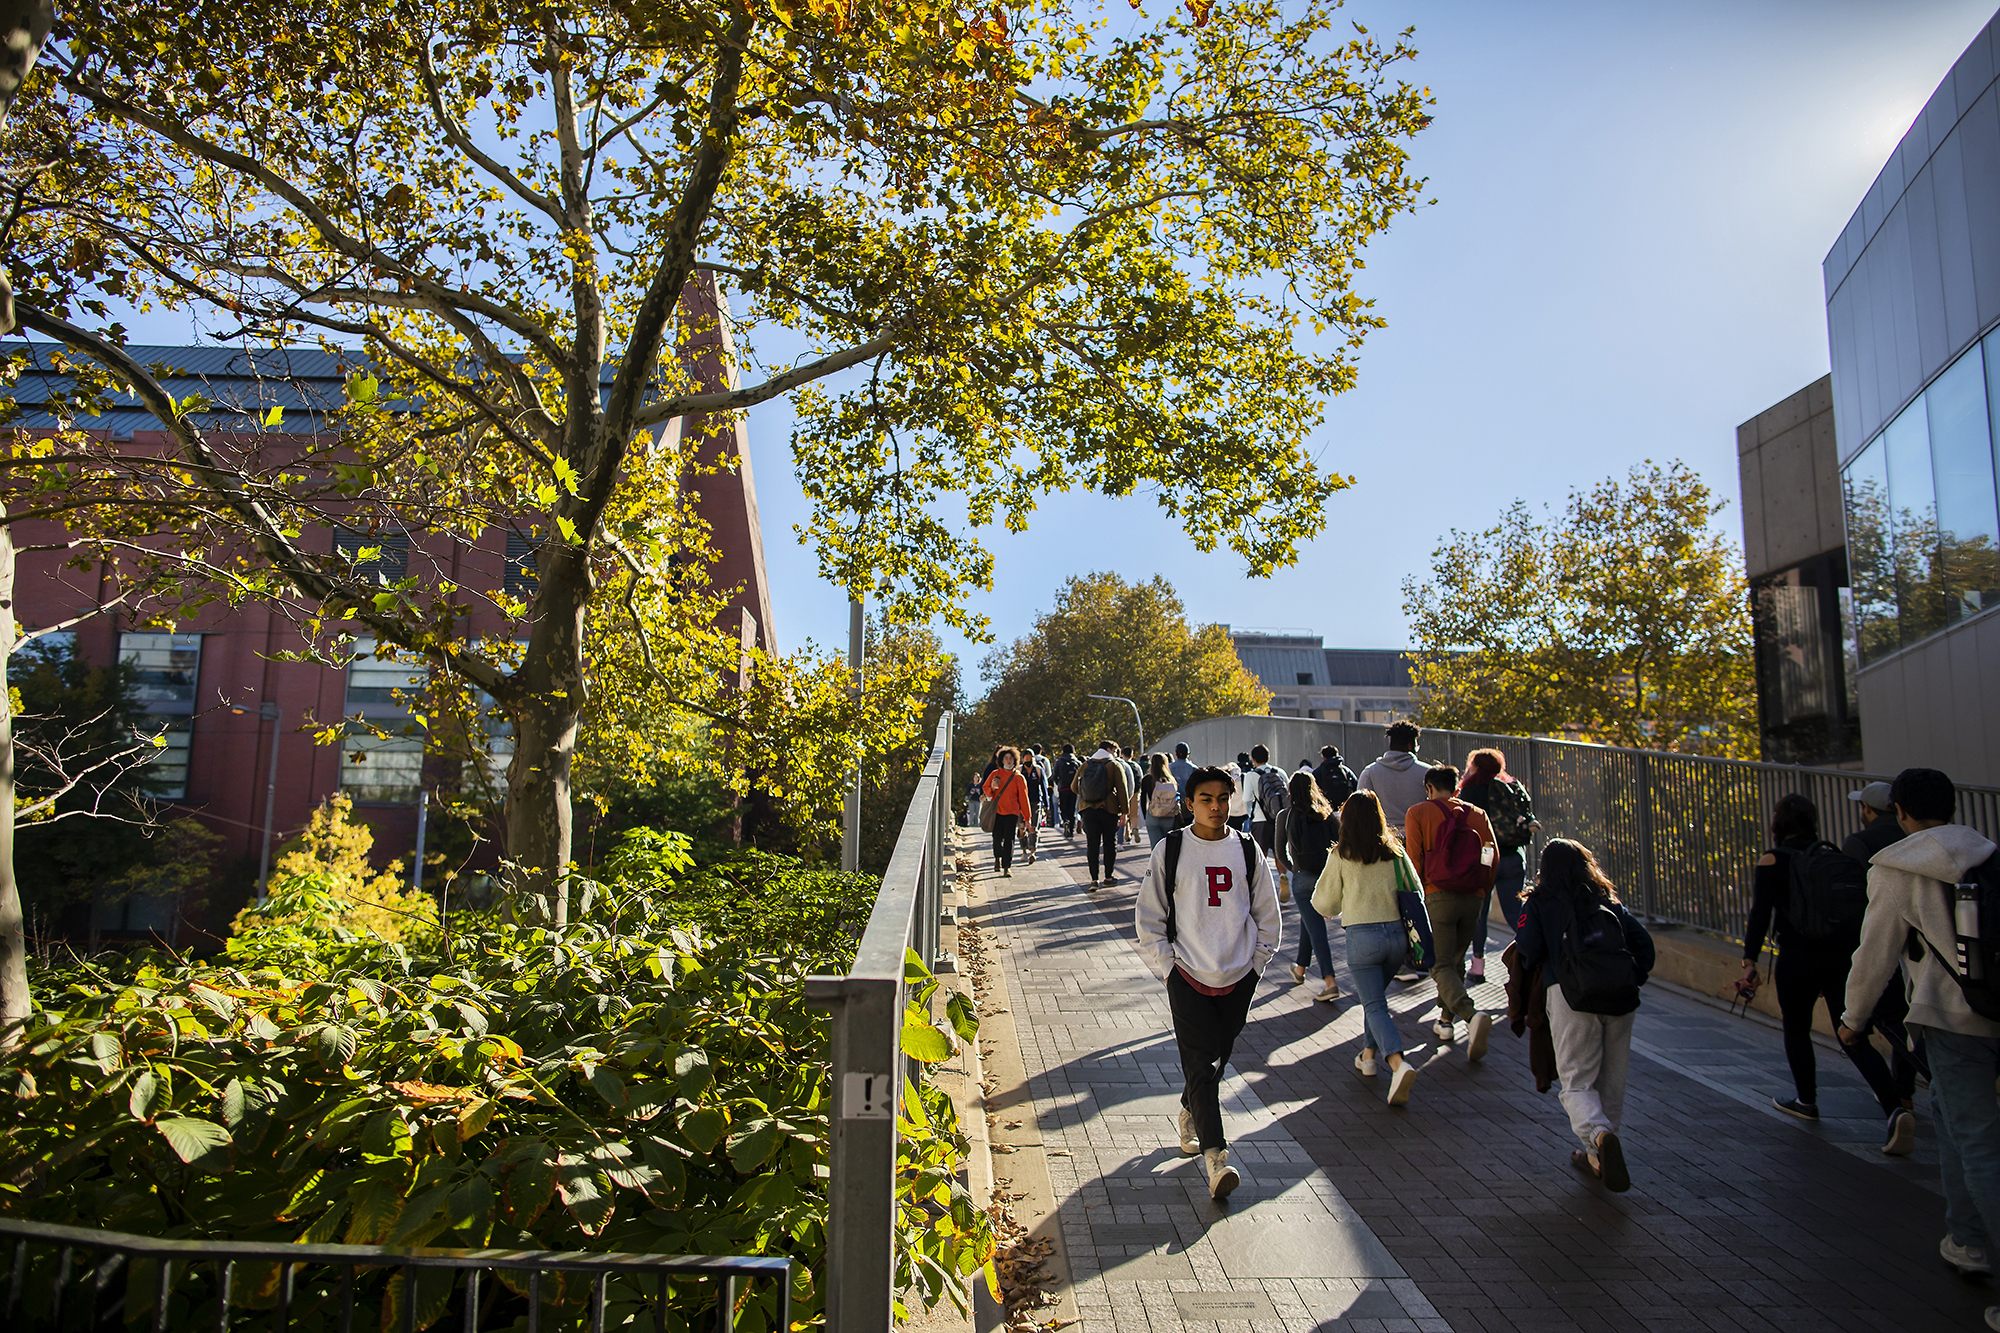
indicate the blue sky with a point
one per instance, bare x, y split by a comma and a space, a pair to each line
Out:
1622, 263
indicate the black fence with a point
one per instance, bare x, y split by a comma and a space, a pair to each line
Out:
69, 1278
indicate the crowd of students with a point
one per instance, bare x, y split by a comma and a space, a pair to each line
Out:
1897, 931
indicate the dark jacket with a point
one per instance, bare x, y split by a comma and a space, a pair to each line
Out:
1862, 846
1545, 919
1336, 780
1528, 1010
1302, 841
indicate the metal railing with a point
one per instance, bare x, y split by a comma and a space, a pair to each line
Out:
1679, 834
131, 1282
867, 1062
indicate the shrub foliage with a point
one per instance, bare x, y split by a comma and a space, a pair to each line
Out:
634, 1081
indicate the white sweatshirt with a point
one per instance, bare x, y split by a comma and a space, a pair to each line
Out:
1221, 931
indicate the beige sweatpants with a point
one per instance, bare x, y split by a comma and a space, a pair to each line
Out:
1593, 1053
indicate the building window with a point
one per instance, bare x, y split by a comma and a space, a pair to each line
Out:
1327, 714
1923, 514
165, 772
521, 577
166, 669
382, 771
1805, 706
377, 557
373, 683
1305, 677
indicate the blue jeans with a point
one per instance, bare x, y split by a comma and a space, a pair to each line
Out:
1967, 1116
1509, 877
1374, 953
1158, 827
1312, 927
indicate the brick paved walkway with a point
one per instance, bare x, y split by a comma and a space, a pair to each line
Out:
1459, 1212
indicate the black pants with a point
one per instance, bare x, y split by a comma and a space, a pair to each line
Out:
1067, 800
1003, 839
1206, 1028
1100, 831
1804, 978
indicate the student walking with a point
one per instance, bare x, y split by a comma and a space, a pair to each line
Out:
1065, 769
1494, 790
1336, 780
1305, 831
1031, 775
1451, 844
1912, 889
1160, 799
1207, 924
1595, 956
1007, 789
1264, 796
1182, 768
1359, 883
1239, 804
1101, 797
1398, 776
1819, 897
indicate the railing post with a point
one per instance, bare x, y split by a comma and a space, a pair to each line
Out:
1648, 868
861, 1161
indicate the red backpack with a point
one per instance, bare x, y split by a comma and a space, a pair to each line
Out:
1452, 862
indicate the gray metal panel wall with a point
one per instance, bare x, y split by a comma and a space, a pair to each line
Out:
1915, 275
1788, 465
1937, 705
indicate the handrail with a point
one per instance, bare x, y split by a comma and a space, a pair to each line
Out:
226, 1254
868, 1067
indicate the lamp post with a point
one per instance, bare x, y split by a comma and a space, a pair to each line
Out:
1119, 698
268, 711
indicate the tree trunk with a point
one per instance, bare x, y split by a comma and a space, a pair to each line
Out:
14, 1006
545, 705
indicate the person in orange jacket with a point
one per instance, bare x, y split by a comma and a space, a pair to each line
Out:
1009, 793
1451, 844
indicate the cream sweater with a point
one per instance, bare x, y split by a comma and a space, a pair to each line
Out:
1360, 894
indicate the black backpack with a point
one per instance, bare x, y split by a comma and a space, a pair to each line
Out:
1173, 870
1094, 782
1977, 970
1597, 973
1270, 791
1828, 894
1065, 770
1337, 780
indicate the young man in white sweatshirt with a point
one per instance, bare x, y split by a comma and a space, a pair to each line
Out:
1209, 943
1911, 887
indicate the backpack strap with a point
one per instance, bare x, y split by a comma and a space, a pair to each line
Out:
1249, 861
1172, 877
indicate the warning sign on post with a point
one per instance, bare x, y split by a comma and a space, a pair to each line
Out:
868, 1097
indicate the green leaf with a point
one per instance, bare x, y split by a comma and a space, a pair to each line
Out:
232, 1103
752, 1143
377, 1203
923, 1042
191, 1137
704, 1127
964, 1017
145, 1095
530, 1185
610, 1087
106, 1049
471, 1208
474, 1115
691, 1072
585, 1192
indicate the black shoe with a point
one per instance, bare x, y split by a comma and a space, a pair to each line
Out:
1611, 1164
1802, 1110
1901, 1139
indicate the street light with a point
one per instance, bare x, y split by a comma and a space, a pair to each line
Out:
268, 711
1119, 698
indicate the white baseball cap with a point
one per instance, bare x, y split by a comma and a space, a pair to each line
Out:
1875, 796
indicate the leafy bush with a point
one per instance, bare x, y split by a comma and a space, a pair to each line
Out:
326, 889
628, 1082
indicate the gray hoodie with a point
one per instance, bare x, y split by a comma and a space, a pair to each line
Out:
1906, 892
1397, 778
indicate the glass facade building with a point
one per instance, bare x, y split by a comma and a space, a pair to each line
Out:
1913, 325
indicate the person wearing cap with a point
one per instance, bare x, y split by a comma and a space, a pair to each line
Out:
1878, 823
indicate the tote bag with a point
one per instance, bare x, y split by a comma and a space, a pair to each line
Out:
1410, 903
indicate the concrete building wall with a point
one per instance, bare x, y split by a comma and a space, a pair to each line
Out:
1789, 465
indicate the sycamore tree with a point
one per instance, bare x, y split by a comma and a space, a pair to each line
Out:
990, 253
1622, 618
1107, 636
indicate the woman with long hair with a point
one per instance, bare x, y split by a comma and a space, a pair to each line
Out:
1488, 785
1159, 799
1594, 956
1363, 873
1304, 833
1009, 794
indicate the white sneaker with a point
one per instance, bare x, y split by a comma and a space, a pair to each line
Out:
1969, 1260
1993, 1317
1443, 1031
1222, 1177
1190, 1139
1399, 1083
1364, 1065
1477, 1032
